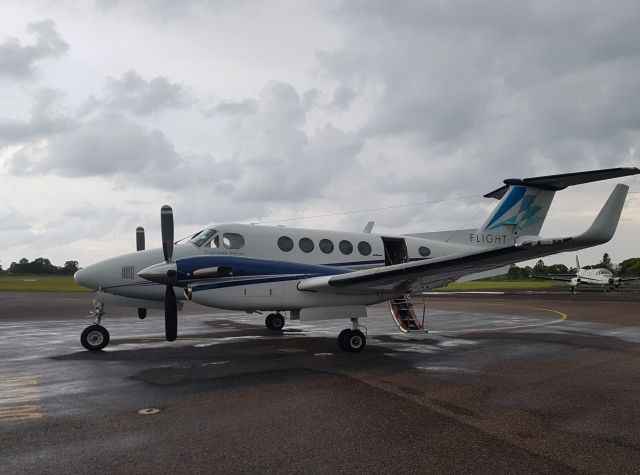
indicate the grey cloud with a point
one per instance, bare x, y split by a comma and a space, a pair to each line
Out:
45, 120
166, 10
480, 90
342, 97
246, 106
19, 61
280, 160
140, 96
310, 98
109, 145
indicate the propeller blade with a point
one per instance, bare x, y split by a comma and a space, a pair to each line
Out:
139, 238
170, 314
166, 225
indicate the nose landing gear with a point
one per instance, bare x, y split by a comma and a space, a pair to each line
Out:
95, 337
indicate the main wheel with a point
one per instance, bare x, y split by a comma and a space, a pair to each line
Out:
274, 321
341, 339
94, 337
354, 341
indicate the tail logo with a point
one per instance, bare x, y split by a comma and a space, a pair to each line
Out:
522, 216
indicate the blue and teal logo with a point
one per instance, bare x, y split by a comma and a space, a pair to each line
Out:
510, 213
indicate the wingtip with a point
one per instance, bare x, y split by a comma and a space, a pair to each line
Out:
605, 225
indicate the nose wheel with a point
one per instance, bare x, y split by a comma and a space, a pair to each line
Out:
94, 337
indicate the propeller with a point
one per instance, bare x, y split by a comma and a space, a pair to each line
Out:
142, 312
139, 238
166, 225
170, 304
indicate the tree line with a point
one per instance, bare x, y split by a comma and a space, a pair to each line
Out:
627, 268
40, 266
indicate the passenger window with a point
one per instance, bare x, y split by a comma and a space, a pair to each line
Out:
326, 246
424, 251
364, 248
232, 241
306, 245
285, 243
345, 247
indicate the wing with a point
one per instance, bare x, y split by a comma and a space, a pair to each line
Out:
561, 277
417, 276
626, 279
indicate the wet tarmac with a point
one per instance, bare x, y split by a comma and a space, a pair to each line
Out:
501, 383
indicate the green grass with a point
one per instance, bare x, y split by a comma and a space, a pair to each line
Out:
39, 283
497, 285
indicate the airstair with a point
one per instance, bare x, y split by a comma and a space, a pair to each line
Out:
404, 315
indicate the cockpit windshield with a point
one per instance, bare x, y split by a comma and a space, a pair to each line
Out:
203, 236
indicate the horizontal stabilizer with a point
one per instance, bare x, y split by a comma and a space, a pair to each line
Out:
560, 182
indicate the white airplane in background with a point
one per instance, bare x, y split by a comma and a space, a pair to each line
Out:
319, 274
600, 276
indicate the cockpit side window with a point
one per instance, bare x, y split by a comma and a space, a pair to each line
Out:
202, 237
214, 243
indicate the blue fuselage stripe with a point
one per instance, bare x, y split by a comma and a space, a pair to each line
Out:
235, 283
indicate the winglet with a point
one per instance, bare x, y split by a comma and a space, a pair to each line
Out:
605, 224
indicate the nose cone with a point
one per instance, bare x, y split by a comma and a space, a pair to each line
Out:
87, 277
163, 273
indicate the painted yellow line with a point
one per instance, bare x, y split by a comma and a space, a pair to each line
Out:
24, 411
15, 377
19, 397
563, 316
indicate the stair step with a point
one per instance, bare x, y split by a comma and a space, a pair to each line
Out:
404, 315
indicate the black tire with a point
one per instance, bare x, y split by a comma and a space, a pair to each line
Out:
341, 339
355, 341
274, 321
94, 337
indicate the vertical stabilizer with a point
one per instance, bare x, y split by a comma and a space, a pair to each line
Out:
577, 264
521, 212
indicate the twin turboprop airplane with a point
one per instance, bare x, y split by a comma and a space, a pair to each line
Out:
317, 274
602, 277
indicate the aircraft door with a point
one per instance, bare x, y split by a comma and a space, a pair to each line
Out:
395, 251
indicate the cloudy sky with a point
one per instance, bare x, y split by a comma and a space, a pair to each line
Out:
257, 111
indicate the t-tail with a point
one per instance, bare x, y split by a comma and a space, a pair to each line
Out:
523, 207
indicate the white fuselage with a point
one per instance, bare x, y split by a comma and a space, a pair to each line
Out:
594, 277
347, 250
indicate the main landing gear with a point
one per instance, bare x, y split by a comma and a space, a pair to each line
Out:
274, 321
95, 337
352, 339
